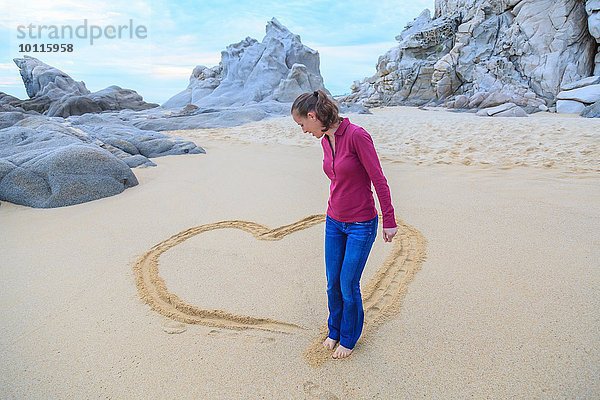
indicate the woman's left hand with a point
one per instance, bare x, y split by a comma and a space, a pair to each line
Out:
389, 233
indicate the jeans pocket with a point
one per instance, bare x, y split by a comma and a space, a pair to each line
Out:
365, 223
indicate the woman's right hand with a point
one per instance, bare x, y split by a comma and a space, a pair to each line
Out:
389, 233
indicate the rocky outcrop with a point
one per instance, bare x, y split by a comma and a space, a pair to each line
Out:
56, 94
47, 167
47, 162
592, 7
277, 69
484, 53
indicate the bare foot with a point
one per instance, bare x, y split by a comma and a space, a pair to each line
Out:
341, 352
329, 343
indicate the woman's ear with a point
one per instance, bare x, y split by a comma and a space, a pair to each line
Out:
312, 115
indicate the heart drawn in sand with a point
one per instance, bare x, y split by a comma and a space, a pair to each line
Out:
382, 295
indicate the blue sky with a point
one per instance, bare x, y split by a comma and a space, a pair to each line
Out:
349, 36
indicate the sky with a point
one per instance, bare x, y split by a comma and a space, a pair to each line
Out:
169, 38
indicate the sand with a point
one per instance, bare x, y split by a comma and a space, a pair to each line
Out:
490, 291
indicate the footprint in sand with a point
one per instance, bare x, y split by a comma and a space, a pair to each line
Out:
236, 335
173, 327
382, 295
314, 391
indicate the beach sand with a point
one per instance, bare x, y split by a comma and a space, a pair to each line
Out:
493, 288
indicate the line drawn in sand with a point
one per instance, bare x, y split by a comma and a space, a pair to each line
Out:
382, 295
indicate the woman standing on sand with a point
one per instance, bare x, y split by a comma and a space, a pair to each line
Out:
351, 163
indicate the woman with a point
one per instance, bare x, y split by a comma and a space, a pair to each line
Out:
351, 163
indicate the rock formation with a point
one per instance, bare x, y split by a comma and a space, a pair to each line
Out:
576, 96
46, 162
44, 165
592, 7
277, 69
55, 162
484, 53
56, 94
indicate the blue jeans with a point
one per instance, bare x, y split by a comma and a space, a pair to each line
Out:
347, 247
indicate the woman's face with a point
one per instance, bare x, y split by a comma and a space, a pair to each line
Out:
310, 124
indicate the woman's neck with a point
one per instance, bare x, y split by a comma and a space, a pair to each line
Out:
331, 131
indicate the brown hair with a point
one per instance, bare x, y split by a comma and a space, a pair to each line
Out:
318, 102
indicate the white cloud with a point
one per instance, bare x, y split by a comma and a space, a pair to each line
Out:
8, 67
170, 72
10, 80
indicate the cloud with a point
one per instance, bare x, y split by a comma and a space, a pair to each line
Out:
7, 67
10, 81
61, 12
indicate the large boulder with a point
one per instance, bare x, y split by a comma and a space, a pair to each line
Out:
45, 168
587, 94
53, 162
576, 96
569, 107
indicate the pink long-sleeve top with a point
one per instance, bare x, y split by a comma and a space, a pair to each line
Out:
351, 170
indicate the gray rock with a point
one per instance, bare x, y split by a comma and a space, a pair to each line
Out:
461, 101
592, 7
588, 94
7, 99
592, 111
41, 168
75, 105
37, 153
298, 81
495, 99
9, 118
110, 129
591, 80
42, 80
55, 93
215, 117
353, 108
277, 69
569, 107
116, 98
519, 51
503, 110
